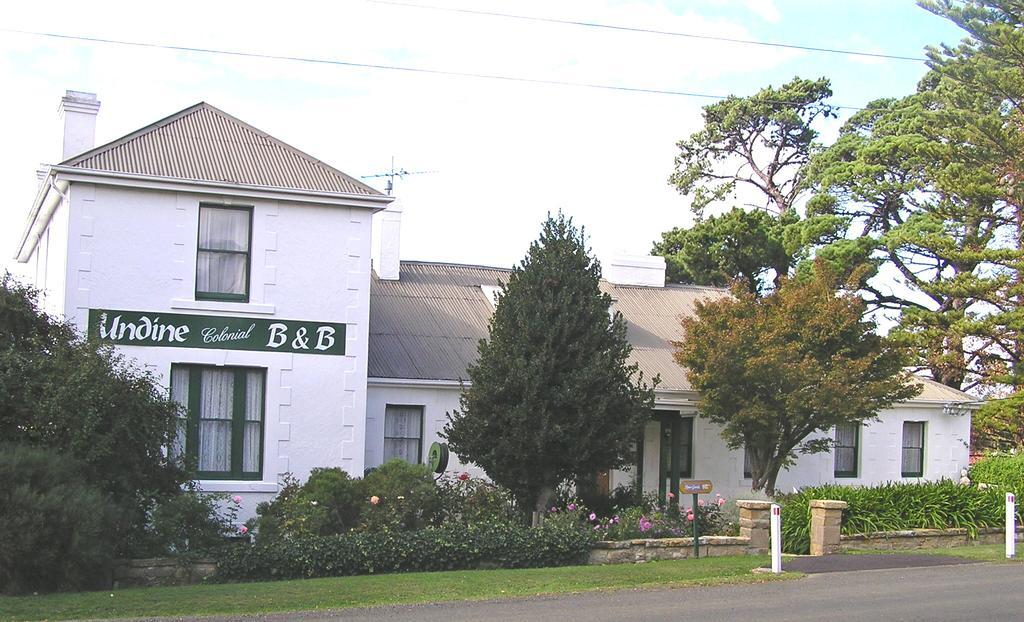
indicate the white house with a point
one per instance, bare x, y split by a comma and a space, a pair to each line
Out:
426, 319
232, 265
237, 268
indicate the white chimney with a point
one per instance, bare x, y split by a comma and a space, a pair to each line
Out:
387, 233
79, 110
645, 270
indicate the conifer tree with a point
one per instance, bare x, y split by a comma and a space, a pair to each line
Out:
552, 396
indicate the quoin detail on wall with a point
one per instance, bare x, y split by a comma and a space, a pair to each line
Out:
140, 328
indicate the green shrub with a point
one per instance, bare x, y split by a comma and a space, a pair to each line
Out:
403, 497
893, 507
329, 503
190, 523
466, 500
447, 547
649, 520
56, 530
1005, 470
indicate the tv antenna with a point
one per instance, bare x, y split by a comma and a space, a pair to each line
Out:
399, 173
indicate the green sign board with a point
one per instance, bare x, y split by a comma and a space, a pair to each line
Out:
175, 330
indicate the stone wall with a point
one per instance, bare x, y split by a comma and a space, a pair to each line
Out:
161, 571
922, 539
654, 549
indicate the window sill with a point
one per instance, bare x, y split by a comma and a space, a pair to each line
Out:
216, 305
230, 485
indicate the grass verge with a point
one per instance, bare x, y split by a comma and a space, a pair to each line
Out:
983, 552
373, 590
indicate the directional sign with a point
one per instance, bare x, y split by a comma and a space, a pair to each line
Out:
695, 486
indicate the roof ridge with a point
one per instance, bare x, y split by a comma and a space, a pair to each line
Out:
341, 180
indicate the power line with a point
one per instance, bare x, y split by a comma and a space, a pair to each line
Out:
669, 33
343, 63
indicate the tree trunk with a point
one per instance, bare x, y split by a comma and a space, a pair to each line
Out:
544, 496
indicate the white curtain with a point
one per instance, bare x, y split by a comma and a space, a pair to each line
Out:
403, 432
179, 394
846, 448
253, 435
215, 400
913, 446
222, 230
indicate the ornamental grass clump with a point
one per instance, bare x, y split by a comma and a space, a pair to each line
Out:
894, 507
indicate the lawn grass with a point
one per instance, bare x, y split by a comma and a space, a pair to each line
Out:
367, 591
983, 552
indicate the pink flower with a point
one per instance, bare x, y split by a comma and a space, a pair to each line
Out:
237, 499
671, 496
700, 502
463, 476
596, 527
243, 530
593, 516
689, 517
553, 509
374, 499
615, 519
571, 507
644, 524
721, 502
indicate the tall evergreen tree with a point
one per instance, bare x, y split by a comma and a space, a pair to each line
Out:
552, 396
753, 149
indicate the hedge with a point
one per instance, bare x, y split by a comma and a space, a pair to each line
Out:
1006, 470
449, 547
892, 507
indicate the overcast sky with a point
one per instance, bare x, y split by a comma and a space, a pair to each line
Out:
501, 154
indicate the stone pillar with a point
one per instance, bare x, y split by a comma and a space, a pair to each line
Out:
755, 523
826, 521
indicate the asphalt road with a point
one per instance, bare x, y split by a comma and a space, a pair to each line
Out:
975, 592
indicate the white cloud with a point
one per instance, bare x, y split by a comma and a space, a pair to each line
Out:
765, 9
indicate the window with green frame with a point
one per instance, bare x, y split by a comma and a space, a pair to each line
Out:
222, 431
222, 255
403, 433
913, 449
846, 449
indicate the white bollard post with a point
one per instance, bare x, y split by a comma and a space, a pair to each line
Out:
1011, 527
776, 536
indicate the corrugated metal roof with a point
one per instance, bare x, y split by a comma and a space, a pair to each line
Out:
203, 143
426, 325
937, 392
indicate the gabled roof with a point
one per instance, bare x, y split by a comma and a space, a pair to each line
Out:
426, 325
203, 143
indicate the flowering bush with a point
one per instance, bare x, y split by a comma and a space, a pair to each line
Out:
649, 520
466, 500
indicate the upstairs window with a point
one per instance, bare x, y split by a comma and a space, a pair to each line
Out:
403, 433
222, 259
913, 449
847, 441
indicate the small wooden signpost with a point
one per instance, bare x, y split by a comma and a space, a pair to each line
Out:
695, 487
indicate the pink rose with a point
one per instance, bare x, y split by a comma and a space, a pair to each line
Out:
237, 499
689, 517
243, 530
721, 502
700, 502
463, 476
374, 499
671, 496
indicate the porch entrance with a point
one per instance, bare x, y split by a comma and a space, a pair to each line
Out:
674, 446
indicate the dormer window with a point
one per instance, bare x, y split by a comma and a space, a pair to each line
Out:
222, 258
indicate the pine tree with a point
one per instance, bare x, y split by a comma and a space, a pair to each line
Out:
552, 396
